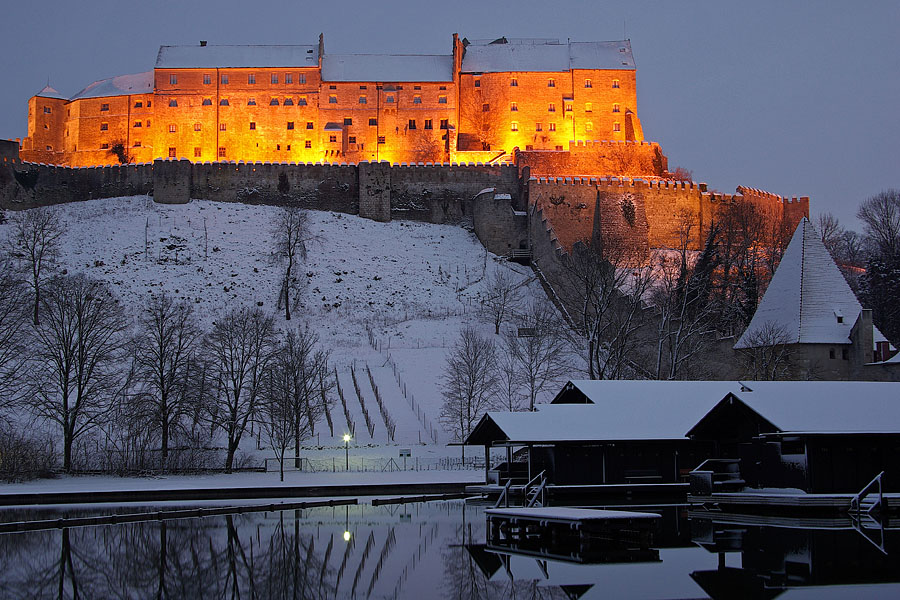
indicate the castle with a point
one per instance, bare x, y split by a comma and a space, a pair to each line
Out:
479, 103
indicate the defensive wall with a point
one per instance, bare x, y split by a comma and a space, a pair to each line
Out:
625, 158
632, 209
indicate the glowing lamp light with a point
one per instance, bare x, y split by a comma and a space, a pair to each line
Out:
346, 533
347, 437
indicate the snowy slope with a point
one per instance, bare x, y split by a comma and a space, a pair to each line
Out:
415, 285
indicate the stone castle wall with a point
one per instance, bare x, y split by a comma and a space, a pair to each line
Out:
631, 159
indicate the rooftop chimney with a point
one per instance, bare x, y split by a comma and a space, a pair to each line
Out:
202, 42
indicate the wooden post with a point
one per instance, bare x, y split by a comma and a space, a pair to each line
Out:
487, 461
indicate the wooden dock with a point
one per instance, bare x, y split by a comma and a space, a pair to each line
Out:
594, 494
573, 534
786, 502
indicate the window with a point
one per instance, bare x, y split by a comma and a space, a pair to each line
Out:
171, 152
588, 83
223, 102
223, 127
173, 79
417, 99
173, 102
221, 151
845, 354
568, 107
288, 101
207, 79
443, 87
513, 106
445, 123
514, 126
148, 122
309, 125
104, 126
551, 82
51, 147
137, 145
615, 108
252, 125
207, 102
307, 144
138, 123
197, 152
251, 102
380, 139
251, 78
412, 124
274, 78
373, 122
617, 127
428, 124
485, 108
105, 146
104, 107
389, 100
442, 99
588, 107
831, 353
477, 82
332, 87
513, 82
552, 107
348, 121
290, 124
332, 99
197, 126
332, 138
558, 148
538, 127
301, 101
224, 79
351, 139
552, 127
529, 147
588, 126
417, 87
149, 102
46, 110
362, 99
615, 84
301, 78
289, 78
278, 146
273, 102
138, 104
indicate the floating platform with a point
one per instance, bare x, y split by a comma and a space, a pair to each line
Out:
594, 494
787, 502
573, 534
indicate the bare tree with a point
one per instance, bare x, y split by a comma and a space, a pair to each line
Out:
78, 353
500, 297
510, 393
769, 353
830, 231
238, 349
881, 216
468, 383
605, 289
163, 361
481, 117
34, 239
290, 234
295, 391
538, 349
14, 334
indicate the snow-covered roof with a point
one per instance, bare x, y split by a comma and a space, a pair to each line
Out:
806, 298
387, 67
198, 57
648, 413
332, 126
823, 406
549, 56
634, 392
49, 92
121, 85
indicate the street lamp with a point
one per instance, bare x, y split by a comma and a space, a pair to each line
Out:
347, 451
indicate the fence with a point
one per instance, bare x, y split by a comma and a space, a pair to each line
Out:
361, 464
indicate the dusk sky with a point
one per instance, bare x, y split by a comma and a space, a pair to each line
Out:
793, 98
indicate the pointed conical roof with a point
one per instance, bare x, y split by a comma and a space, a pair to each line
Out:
49, 92
808, 299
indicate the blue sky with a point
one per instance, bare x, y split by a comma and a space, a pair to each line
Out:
794, 98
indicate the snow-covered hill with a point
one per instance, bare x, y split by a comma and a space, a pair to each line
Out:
414, 285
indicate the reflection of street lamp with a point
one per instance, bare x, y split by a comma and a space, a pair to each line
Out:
347, 460
346, 536
346, 512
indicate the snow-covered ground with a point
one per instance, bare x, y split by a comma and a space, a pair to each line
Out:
414, 285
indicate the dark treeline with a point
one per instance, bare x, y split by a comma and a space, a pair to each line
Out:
86, 384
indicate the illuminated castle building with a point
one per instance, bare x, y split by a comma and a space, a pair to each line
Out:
299, 104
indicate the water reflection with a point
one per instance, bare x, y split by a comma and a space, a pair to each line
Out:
434, 550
